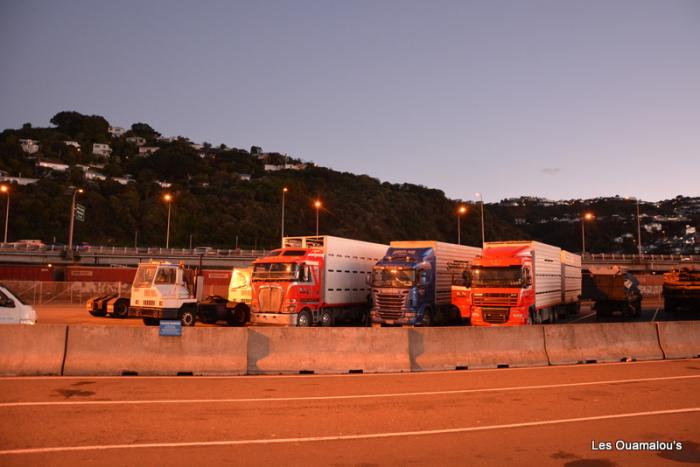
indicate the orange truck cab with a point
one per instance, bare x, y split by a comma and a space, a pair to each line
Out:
524, 282
462, 289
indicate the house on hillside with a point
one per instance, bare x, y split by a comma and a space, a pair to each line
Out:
99, 149
146, 150
74, 144
53, 166
136, 140
116, 131
29, 146
18, 180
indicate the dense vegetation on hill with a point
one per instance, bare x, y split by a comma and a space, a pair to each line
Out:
216, 204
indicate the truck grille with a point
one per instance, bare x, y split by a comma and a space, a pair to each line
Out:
270, 298
495, 315
496, 299
149, 303
391, 305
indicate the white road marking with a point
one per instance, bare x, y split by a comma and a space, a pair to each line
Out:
312, 439
341, 397
580, 319
655, 313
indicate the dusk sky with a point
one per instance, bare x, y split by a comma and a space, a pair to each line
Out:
560, 99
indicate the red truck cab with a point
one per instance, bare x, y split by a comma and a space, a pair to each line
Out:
286, 287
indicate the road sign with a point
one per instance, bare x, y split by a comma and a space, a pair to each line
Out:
80, 212
170, 327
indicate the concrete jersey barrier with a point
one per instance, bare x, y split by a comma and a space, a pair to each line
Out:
116, 350
327, 350
680, 339
610, 342
476, 347
32, 350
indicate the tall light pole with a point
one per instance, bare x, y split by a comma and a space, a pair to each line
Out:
317, 205
460, 211
72, 219
483, 238
168, 199
284, 193
6, 189
584, 217
639, 227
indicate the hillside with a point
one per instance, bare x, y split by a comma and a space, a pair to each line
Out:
228, 197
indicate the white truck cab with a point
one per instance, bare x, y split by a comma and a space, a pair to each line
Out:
13, 310
161, 290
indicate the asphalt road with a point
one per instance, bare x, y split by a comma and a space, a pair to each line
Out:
531, 416
76, 314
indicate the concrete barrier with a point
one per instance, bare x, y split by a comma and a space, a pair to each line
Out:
476, 347
32, 350
610, 342
680, 339
117, 350
327, 350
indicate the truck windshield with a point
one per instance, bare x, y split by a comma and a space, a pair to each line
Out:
144, 276
498, 277
275, 271
393, 277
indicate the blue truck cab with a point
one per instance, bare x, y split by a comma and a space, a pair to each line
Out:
402, 287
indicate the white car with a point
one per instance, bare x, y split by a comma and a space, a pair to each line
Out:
13, 310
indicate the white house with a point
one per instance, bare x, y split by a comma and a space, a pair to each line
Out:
90, 175
273, 167
116, 131
99, 149
244, 177
55, 166
19, 180
29, 145
137, 140
146, 150
75, 144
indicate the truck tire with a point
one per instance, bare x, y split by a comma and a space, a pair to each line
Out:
121, 309
187, 317
304, 319
427, 317
238, 316
151, 321
327, 319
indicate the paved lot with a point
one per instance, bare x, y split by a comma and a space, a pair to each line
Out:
533, 416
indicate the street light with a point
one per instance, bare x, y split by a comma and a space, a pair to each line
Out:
584, 217
639, 229
168, 199
72, 219
6, 189
317, 205
284, 192
483, 239
460, 211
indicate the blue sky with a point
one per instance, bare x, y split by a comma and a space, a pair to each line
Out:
561, 99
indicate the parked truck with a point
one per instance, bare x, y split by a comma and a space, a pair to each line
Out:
524, 282
612, 290
462, 289
235, 308
314, 280
411, 284
681, 290
114, 304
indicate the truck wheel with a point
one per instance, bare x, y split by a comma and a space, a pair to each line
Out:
151, 321
187, 317
427, 317
238, 316
327, 318
669, 305
97, 313
304, 319
121, 310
